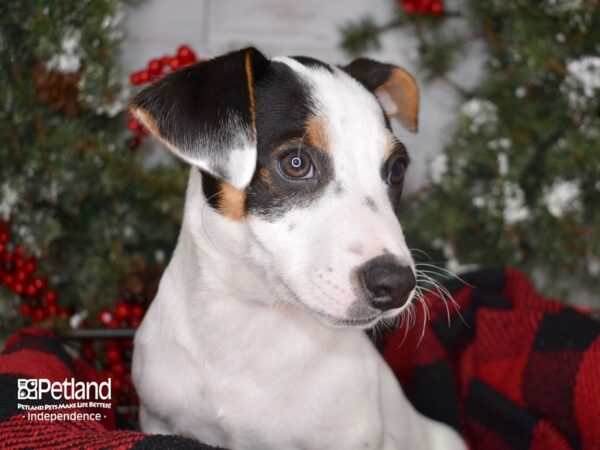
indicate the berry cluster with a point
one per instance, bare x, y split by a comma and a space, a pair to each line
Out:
18, 273
156, 69
423, 7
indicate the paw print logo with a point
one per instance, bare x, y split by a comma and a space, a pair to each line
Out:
27, 389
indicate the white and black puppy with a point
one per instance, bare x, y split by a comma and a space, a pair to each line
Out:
289, 248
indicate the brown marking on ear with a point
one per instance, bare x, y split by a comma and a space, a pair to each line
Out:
250, 80
148, 121
316, 134
403, 89
231, 201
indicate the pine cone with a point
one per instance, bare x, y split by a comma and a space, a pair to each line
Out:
58, 90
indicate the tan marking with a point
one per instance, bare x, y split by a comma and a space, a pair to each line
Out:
250, 80
265, 176
317, 135
148, 121
403, 89
231, 201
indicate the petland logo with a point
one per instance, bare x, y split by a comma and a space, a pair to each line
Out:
69, 389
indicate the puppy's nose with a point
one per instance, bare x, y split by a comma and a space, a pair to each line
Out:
387, 283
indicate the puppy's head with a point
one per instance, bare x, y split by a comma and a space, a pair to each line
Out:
302, 154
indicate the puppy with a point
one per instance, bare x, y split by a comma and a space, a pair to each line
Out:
289, 248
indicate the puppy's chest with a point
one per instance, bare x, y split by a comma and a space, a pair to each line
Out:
288, 399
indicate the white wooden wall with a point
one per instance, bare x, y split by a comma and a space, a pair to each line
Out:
289, 27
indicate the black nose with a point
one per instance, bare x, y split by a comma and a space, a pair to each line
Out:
387, 283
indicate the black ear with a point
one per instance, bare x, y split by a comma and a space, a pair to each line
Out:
205, 114
395, 88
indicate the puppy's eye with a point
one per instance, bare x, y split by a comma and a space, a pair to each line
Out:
297, 164
396, 168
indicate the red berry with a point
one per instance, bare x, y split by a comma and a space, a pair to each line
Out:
25, 310
122, 311
51, 297
18, 250
185, 55
119, 369
113, 355
40, 283
30, 290
134, 322
4, 238
155, 66
105, 317
133, 124
134, 78
175, 63
184, 51
19, 263
30, 265
38, 315
21, 276
137, 311
7, 280
144, 76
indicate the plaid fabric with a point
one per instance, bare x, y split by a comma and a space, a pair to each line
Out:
516, 372
33, 353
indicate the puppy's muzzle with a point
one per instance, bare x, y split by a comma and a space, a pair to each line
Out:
386, 282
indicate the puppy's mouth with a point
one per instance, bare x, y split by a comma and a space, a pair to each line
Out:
349, 322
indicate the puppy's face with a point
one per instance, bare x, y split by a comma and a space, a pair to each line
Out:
315, 174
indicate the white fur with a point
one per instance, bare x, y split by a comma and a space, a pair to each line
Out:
240, 348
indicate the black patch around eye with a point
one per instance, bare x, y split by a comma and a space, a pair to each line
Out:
284, 105
272, 193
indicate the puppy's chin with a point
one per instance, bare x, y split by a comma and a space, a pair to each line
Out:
360, 323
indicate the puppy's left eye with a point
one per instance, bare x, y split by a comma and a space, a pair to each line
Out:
297, 164
396, 168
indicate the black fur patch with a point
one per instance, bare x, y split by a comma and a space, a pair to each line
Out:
205, 109
210, 186
283, 107
371, 74
313, 63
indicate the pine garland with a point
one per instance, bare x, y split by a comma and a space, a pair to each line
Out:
518, 183
76, 197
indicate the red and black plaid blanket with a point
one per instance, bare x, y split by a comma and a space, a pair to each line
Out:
516, 372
